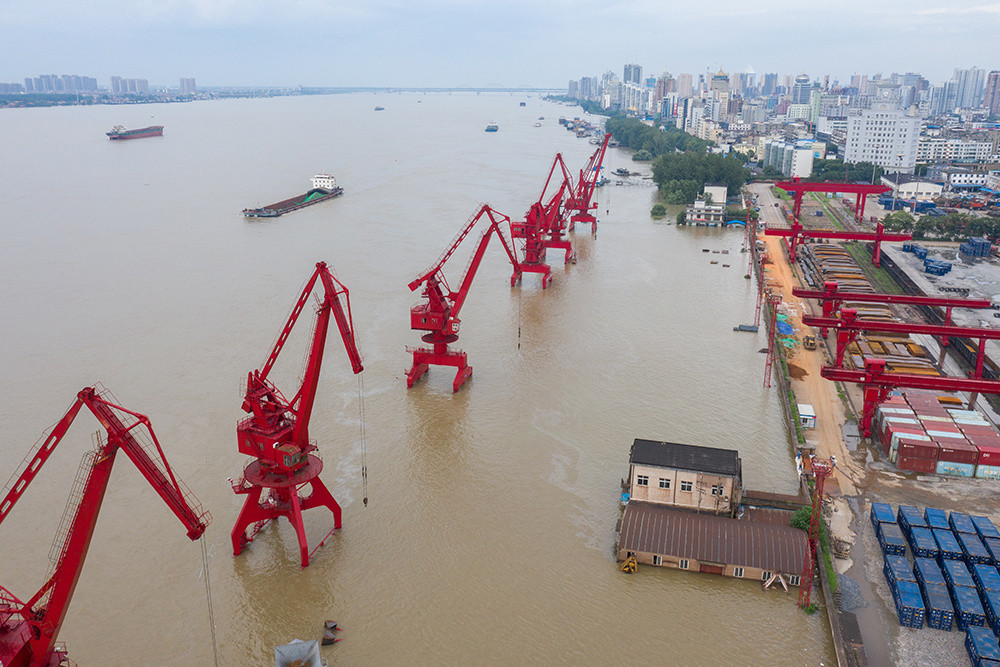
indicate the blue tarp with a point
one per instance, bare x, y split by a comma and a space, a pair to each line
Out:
737, 222
785, 329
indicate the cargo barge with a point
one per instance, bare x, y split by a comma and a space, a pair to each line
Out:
324, 187
119, 132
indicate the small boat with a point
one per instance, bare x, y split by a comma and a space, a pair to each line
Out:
379, 108
492, 127
541, 118
522, 104
538, 124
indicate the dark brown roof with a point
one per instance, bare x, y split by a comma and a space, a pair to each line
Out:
650, 528
768, 499
685, 457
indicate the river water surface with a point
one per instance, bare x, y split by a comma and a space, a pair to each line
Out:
489, 533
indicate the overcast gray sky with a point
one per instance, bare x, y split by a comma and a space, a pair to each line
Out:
473, 42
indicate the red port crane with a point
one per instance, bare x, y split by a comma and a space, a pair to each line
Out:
276, 433
796, 233
28, 630
543, 227
821, 469
439, 314
579, 200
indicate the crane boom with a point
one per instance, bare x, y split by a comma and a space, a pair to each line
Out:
276, 433
590, 175
28, 631
439, 314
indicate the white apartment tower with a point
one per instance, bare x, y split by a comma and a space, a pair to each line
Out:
884, 135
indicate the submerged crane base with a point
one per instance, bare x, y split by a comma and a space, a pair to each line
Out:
544, 269
583, 218
282, 500
424, 357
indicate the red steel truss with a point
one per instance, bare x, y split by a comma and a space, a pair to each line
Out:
580, 199
821, 469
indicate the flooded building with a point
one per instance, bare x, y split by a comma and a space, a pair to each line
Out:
686, 476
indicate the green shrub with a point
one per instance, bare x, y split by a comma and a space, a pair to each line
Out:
658, 210
642, 156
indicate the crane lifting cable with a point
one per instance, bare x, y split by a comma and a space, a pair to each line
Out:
439, 314
28, 630
276, 433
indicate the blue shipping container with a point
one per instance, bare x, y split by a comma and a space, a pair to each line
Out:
948, 545
908, 517
985, 527
927, 572
973, 549
922, 542
891, 539
968, 607
957, 574
909, 604
937, 603
991, 605
981, 644
897, 568
882, 513
986, 577
993, 546
961, 523
936, 518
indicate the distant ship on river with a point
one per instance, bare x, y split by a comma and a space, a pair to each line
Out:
119, 132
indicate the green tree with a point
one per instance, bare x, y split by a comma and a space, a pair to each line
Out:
642, 155
899, 221
658, 210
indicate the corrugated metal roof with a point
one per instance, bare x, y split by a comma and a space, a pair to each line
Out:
650, 528
685, 457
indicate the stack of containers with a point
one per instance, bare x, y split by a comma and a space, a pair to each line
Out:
936, 519
936, 266
981, 435
982, 647
993, 546
985, 528
889, 535
905, 591
923, 543
964, 595
973, 549
937, 601
986, 577
975, 247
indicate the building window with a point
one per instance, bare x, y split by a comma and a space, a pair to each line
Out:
664, 483
642, 480
738, 572
685, 486
657, 560
765, 576
716, 490
683, 564
794, 579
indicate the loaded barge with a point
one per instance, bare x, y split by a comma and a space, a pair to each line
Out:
324, 186
118, 132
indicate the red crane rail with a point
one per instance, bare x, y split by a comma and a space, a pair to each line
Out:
876, 385
276, 433
543, 227
439, 315
28, 630
796, 233
580, 199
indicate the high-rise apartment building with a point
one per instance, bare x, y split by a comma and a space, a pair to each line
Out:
188, 87
969, 84
770, 85
685, 85
884, 135
992, 99
633, 74
801, 89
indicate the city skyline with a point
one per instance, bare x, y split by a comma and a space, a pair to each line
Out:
466, 42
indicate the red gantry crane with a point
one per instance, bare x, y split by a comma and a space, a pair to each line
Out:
276, 433
579, 200
543, 227
439, 315
28, 630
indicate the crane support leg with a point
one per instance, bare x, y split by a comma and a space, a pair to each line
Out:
251, 513
544, 269
424, 357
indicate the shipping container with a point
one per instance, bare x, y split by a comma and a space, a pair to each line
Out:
956, 574
938, 606
908, 516
987, 472
991, 606
922, 542
981, 644
913, 464
918, 449
988, 455
985, 527
948, 545
890, 538
910, 604
973, 549
958, 452
955, 469
961, 523
936, 518
993, 546
882, 513
968, 607
897, 569
928, 572
986, 577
